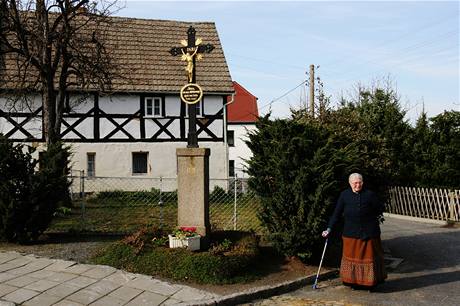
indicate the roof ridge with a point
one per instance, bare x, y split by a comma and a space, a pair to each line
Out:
139, 50
245, 90
162, 20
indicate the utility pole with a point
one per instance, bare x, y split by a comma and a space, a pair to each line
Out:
312, 91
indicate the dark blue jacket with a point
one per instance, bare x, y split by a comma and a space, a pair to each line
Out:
360, 212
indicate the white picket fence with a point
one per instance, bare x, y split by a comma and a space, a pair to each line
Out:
429, 203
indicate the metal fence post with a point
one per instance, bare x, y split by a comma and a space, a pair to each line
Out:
83, 197
234, 205
81, 184
160, 202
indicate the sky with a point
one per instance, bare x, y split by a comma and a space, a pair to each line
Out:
269, 46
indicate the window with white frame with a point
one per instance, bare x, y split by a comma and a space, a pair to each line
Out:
153, 107
140, 162
91, 164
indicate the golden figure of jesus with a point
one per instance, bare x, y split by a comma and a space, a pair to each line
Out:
186, 56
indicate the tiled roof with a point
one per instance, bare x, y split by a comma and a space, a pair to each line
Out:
244, 107
140, 48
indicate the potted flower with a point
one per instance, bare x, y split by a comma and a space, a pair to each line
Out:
185, 237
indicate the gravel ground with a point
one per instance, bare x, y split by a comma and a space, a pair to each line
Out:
79, 250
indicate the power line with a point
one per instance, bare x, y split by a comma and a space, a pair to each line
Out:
388, 66
410, 48
347, 58
384, 43
273, 101
399, 60
282, 96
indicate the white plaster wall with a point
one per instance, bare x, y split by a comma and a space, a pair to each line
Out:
113, 104
151, 128
85, 128
172, 104
114, 165
106, 127
240, 151
115, 159
10, 103
127, 104
30, 104
119, 104
212, 104
215, 127
33, 126
81, 103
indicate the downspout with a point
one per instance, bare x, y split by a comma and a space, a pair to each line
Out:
225, 135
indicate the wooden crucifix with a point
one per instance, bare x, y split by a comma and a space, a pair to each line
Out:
192, 50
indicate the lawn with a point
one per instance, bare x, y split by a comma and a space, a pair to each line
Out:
127, 212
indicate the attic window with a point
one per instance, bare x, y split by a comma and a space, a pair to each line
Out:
153, 107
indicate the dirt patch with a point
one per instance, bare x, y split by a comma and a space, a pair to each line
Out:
273, 268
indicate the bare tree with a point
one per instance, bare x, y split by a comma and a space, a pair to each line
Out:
55, 46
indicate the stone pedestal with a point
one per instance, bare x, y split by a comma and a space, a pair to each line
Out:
193, 188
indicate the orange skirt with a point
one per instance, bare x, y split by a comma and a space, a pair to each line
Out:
362, 262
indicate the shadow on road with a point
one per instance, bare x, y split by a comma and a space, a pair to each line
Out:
416, 282
423, 252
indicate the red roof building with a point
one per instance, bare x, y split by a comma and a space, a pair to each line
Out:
244, 107
242, 115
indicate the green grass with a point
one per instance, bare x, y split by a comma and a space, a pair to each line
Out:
221, 216
113, 219
115, 213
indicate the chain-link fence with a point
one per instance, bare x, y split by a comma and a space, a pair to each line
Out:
126, 204
233, 206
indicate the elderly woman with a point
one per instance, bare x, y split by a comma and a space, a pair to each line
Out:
362, 256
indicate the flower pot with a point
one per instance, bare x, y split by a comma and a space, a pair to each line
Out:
191, 243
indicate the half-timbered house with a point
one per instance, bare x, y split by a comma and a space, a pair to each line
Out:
135, 128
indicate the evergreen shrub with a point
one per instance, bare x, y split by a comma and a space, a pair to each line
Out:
219, 195
297, 171
117, 198
29, 198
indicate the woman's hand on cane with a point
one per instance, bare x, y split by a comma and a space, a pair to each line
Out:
325, 233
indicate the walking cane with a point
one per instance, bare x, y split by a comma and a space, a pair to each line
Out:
315, 285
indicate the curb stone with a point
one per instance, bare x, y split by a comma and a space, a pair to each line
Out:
265, 291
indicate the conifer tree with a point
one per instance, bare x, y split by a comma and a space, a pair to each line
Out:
297, 170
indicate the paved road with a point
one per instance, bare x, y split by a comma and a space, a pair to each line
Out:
428, 275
